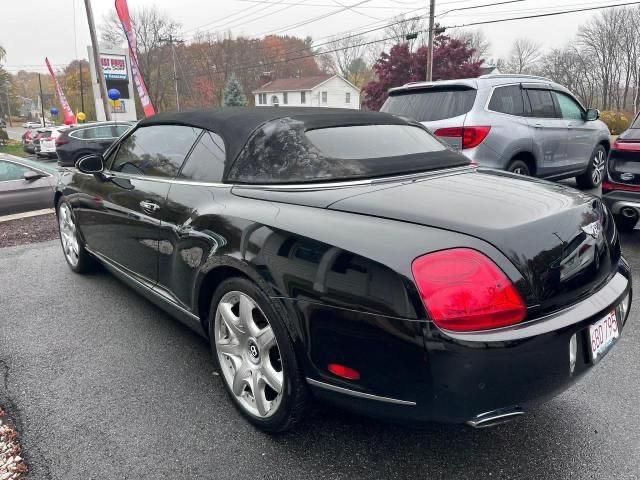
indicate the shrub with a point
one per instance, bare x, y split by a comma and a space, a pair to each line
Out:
4, 137
617, 122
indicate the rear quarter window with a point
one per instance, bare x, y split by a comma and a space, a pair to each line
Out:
431, 104
507, 99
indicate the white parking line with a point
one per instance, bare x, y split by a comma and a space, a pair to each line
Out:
33, 213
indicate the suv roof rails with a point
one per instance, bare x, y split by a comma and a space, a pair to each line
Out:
514, 75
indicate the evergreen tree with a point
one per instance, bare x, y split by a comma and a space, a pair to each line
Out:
233, 95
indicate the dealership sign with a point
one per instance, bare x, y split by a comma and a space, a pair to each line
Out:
114, 66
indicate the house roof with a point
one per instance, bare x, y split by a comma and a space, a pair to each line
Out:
293, 84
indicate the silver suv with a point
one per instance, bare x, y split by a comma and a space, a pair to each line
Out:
520, 123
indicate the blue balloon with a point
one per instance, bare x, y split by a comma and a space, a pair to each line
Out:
54, 111
114, 94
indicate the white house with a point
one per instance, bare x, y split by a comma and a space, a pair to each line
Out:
318, 91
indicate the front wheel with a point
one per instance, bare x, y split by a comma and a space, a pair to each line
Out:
592, 177
255, 356
77, 257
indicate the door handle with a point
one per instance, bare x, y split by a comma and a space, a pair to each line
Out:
537, 125
149, 207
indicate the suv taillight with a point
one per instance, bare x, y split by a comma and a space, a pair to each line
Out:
464, 291
471, 136
62, 140
626, 146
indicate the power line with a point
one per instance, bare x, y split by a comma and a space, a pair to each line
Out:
264, 64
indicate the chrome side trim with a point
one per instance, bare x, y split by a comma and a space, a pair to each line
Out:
122, 271
353, 393
300, 186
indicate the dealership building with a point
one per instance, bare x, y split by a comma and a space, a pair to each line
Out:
117, 72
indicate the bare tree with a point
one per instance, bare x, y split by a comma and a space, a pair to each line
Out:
475, 39
401, 26
348, 60
524, 57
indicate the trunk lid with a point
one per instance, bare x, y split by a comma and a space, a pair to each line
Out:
561, 240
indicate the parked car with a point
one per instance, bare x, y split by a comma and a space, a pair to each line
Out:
621, 188
38, 135
3, 123
34, 124
25, 185
350, 255
82, 140
520, 123
47, 146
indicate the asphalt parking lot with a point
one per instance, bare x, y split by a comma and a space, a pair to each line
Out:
102, 384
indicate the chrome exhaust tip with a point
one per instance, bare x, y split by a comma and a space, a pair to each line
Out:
495, 417
629, 212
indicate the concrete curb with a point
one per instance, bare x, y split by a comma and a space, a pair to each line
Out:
33, 213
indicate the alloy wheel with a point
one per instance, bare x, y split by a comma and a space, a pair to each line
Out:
598, 167
520, 171
68, 235
248, 354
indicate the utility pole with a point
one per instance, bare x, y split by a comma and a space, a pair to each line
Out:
81, 88
8, 104
102, 83
432, 11
171, 40
41, 101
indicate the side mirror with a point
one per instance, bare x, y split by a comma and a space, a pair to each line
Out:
593, 114
90, 164
32, 175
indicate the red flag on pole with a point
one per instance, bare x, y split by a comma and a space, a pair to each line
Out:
69, 117
143, 93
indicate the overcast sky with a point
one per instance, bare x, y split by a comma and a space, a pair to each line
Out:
33, 29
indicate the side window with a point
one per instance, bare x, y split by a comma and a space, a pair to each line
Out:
10, 171
119, 130
79, 133
507, 100
542, 104
324, 97
102, 132
207, 159
569, 107
158, 150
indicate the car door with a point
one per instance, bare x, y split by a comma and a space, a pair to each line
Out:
18, 194
121, 216
581, 141
549, 131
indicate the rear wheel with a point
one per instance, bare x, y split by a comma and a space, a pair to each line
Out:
255, 357
520, 167
77, 257
593, 176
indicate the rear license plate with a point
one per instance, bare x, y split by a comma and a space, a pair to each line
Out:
603, 334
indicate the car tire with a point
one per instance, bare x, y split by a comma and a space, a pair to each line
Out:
75, 253
519, 167
593, 176
254, 353
625, 224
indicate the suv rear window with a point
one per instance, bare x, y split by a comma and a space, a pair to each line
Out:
282, 151
636, 122
431, 104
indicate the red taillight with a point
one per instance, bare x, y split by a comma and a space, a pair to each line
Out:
61, 140
463, 291
471, 136
623, 146
344, 371
608, 186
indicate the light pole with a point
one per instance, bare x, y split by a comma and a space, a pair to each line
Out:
432, 11
8, 103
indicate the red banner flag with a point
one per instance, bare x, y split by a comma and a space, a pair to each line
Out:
69, 117
143, 93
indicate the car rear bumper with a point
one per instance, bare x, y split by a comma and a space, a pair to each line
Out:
616, 200
509, 370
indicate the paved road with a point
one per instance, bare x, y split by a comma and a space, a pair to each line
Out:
104, 386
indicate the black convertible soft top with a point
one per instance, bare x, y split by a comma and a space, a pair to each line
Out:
236, 124
269, 144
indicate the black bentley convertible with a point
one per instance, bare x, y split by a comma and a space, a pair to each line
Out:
353, 256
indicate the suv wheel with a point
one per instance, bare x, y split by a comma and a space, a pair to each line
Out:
594, 174
519, 167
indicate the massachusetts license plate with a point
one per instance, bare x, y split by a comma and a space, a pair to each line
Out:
603, 334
